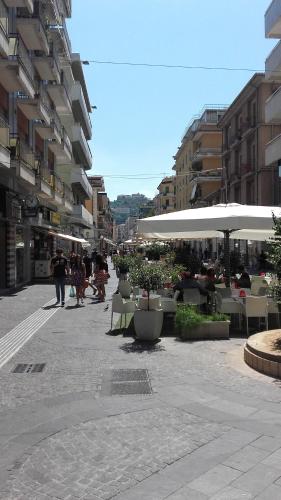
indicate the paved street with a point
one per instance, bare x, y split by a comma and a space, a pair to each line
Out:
109, 418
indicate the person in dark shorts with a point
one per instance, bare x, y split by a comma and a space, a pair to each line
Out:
59, 269
89, 271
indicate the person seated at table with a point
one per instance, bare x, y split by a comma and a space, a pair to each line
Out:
244, 280
202, 276
210, 280
188, 281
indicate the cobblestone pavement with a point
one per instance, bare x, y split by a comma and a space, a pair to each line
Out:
210, 429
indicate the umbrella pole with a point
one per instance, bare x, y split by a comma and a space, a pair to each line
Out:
227, 258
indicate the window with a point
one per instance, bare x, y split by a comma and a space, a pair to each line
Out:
237, 194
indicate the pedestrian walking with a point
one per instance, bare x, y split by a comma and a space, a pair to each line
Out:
78, 278
101, 276
89, 272
59, 269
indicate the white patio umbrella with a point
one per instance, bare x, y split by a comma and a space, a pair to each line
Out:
232, 219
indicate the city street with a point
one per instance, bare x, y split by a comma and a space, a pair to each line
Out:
110, 418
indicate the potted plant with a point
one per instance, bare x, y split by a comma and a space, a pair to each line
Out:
192, 325
148, 323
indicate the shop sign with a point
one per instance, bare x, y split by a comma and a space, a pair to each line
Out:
55, 218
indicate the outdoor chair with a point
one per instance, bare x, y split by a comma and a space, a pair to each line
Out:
224, 292
193, 296
220, 285
121, 306
229, 306
255, 307
273, 308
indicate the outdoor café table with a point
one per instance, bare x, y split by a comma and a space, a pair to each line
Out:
154, 301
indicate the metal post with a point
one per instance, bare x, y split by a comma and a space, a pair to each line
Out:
227, 257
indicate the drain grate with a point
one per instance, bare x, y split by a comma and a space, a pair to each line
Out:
29, 368
126, 381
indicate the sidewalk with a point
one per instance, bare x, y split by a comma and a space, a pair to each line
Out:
109, 418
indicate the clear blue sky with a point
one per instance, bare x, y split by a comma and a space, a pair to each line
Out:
142, 112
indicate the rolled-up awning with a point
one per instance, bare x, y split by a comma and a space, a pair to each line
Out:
68, 237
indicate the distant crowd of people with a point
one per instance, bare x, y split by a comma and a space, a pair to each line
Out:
81, 271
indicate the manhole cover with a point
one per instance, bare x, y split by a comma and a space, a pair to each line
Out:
29, 368
130, 388
126, 381
131, 375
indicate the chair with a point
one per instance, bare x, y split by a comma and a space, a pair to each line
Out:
193, 296
121, 306
168, 305
225, 292
273, 308
229, 306
255, 307
220, 285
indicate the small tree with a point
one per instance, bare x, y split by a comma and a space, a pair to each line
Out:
274, 256
149, 277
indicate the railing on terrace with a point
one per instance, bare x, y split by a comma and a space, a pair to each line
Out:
66, 140
57, 184
4, 22
17, 51
20, 151
68, 194
44, 172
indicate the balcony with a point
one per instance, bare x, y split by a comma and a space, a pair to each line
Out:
273, 64
48, 67
81, 150
44, 181
80, 111
27, 4
60, 37
5, 161
51, 130
81, 216
68, 200
58, 190
273, 151
33, 34
80, 182
17, 74
60, 97
62, 150
208, 176
66, 4
23, 160
4, 30
272, 20
273, 108
34, 109
202, 153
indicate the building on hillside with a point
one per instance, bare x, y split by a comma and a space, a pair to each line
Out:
273, 103
147, 210
246, 178
45, 126
198, 161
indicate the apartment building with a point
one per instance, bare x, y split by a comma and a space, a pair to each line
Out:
198, 162
165, 199
44, 129
273, 102
246, 177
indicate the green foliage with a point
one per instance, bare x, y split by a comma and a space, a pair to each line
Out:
274, 256
174, 272
189, 317
170, 258
154, 251
149, 277
125, 263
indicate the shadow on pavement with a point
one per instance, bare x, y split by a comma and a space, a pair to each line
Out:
52, 306
75, 306
141, 346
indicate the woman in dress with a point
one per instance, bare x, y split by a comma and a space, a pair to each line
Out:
101, 277
78, 276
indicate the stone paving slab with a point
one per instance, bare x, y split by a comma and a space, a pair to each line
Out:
208, 430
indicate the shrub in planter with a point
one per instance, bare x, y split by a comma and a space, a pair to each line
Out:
149, 277
192, 325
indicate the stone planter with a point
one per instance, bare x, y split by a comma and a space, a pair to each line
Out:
148, 324
206, 331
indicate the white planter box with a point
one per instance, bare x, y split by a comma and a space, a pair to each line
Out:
208, 330
148, 324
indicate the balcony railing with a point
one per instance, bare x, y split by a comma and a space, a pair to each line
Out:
18, 52
68, 194
22, 152
4, 22
57, 184
4, 132
44, 173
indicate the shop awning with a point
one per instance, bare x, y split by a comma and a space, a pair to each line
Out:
110, 242
68, 237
